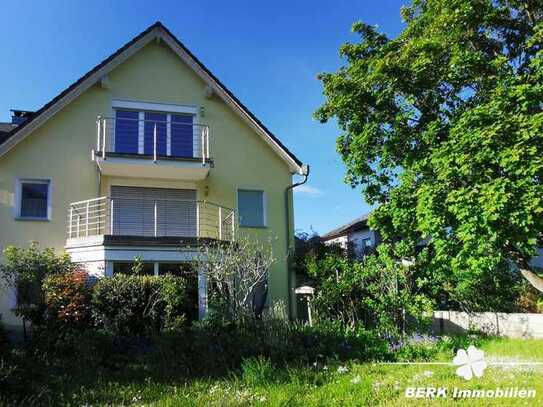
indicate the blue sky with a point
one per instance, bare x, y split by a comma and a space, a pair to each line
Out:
267, 53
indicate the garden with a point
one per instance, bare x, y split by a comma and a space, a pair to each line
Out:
128, 340
442, 130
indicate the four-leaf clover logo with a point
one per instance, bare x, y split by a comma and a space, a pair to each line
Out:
471, 362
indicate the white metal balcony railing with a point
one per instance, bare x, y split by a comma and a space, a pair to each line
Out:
148, 217
151, 138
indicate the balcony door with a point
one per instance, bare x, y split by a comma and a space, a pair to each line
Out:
137, 131
159, 122
182, 142
126, 132
156, 212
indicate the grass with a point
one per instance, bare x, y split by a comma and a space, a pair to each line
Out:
333, 383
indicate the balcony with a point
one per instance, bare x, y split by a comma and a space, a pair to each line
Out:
147, 221
164, 147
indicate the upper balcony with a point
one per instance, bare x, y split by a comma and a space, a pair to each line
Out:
166, 146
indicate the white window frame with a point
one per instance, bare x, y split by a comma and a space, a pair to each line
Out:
152, 106
18, 198
264, 207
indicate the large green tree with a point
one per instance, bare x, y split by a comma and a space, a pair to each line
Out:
442, 127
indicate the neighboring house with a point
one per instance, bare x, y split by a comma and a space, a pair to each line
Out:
355, 236
145, 155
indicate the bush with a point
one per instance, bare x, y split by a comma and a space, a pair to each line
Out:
139, 305
26, 269
68, 298
378, 293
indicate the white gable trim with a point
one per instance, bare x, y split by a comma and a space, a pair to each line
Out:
151, 106
157, 32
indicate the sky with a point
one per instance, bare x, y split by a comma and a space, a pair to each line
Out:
267, 53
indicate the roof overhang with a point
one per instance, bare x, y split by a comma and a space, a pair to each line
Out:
154, 32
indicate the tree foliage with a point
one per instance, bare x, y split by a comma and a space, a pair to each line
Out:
378, 293
442, 127
24, 270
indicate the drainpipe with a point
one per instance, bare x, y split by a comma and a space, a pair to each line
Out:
305, 173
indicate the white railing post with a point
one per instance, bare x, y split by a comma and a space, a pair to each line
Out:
198, 219
220, 222
203, 146
154, 143
78, 223
104, 130
111, 216
98, 125
233, 217
207, 142
156, 224
87, 219
70, 226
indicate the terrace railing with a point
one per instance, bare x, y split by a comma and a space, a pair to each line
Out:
150, 217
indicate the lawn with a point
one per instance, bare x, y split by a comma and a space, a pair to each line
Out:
331, 383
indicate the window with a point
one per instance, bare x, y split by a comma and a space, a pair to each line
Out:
366, 243
126, 268
34, 199
176, 269
251, 208
135, 132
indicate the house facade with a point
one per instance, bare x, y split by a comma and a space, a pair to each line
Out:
146, 155
355, 235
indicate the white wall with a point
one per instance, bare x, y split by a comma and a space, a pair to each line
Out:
492, 323
355, 239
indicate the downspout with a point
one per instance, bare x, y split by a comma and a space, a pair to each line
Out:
305, 173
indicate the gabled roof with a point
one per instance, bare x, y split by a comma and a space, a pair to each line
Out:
357, 224
155, 31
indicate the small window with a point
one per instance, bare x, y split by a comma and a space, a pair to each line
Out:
34, 199
366, 243
251, 207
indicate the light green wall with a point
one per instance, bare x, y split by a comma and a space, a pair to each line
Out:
60, 150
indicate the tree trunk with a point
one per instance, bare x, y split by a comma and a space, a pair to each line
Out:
533, 278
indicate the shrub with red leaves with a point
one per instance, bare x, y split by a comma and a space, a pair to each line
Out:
68, 298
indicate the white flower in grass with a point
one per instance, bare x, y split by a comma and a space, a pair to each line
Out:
428, 373
342, 369
356, 379
471, 362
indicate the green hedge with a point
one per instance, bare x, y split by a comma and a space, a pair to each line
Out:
139, 305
